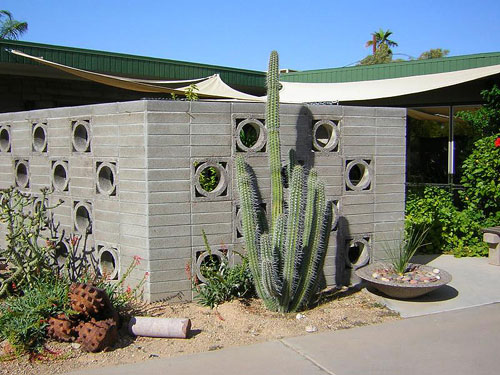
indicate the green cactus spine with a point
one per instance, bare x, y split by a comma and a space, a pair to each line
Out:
287, 261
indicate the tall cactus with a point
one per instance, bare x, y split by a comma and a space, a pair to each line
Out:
287, 261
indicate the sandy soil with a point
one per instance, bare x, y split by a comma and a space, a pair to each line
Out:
240, 322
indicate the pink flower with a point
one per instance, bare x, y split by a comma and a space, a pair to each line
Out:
129, 290
137, 259
497, 142
146, 275
74, 240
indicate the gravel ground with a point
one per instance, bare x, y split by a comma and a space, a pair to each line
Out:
240, 322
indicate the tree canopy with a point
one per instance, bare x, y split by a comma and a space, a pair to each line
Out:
434, 53
9, 27
381, 38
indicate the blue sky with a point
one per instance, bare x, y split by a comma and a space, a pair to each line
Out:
322, 34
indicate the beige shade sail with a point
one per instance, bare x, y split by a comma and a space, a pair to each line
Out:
292, 92
297, 92
211, 87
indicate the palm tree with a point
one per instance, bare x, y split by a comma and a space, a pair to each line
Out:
381, 37
9, 27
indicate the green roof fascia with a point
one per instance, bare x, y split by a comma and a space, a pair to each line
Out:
394, 69
127, 65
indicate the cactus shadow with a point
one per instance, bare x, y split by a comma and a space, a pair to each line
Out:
343, 273
303, 142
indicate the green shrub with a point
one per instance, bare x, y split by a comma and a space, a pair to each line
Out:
451, 230
223, 282
23, 319
481, 178
25, 253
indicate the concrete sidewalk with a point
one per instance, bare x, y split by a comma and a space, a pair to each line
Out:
457, 342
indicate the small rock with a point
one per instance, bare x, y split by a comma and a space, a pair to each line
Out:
384, 279
374, 275
75, 345
154, 355
438, 277
311, 329
300, 316
435, 270
413, 282
214, 347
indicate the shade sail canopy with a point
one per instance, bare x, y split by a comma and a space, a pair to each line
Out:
208, 87
291, 92
298, 92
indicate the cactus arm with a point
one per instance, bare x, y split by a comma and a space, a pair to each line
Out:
314, 261
273, 124
268, 270
293, 236
249, 218
292, 162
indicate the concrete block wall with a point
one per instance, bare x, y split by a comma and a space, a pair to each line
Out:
156, 151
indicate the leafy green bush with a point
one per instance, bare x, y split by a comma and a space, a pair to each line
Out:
25, 222
451, 230
481, 178
23, 319
223, 282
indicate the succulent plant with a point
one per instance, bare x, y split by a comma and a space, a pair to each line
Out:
285, 262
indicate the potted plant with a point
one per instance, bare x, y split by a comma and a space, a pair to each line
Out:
398, 277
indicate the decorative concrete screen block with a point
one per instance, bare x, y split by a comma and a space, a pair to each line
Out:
80, 135
250, 135
5, 138
39, 137
60, 175
82, 217
146, 177
22, 173
106, 178
109, 261
62, 252
326, 135
358, 174
211, 179
207, 259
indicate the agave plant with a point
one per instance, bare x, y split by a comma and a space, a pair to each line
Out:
402, 250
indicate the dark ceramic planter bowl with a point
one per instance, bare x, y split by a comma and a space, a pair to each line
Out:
399, 290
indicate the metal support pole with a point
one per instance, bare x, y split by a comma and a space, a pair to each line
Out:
451, 147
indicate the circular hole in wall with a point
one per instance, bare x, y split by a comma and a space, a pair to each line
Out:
325, 135
60, 178
208, 261
83, 218
358, 175
39, 138
4, 139
22, 174
358, 253
108, 263
61, 253
106, 179
251, 135
210, 179
81, 137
